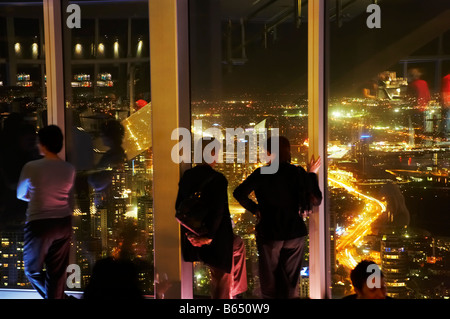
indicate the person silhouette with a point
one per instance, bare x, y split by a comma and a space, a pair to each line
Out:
283, 200
220, 249
47, 185
368, 281
18, 144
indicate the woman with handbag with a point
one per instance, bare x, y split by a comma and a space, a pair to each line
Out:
216, 246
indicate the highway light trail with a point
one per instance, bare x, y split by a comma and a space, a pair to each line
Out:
346, 244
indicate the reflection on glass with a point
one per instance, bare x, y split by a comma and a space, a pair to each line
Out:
248, 71
388, 146
108, 117
23, 111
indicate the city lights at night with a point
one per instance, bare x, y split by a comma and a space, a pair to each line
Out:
383, 123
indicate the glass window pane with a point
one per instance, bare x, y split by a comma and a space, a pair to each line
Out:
23, 110
388, 144
249, 71
107, 94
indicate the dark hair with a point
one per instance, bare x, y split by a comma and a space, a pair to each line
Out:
284, 148
52, 138
360, 274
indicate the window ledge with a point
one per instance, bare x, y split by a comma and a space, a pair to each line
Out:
29, 294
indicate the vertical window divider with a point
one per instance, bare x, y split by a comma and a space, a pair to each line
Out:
54, 64
318, 235
170, 95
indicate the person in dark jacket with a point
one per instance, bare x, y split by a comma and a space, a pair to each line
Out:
221, 250
283, 199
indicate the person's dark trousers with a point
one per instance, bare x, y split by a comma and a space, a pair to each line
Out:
280, 262
47, 242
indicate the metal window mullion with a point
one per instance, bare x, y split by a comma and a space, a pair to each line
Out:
54, 65
319, 259
169, 65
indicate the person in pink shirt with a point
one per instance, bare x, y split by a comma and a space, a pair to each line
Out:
47, 185
419, 94
418, 90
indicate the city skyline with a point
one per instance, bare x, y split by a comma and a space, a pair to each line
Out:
388, 161
352, 178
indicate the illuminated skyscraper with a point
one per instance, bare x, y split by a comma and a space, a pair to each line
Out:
394, 264
11, 265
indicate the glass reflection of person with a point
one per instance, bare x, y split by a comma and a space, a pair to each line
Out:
370, 90
372, 87
445, 104
418, 89
112, 133
419, 93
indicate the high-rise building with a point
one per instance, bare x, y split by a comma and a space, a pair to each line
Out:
12, 273
394, 264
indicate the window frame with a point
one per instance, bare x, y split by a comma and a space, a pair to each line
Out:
169, 51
